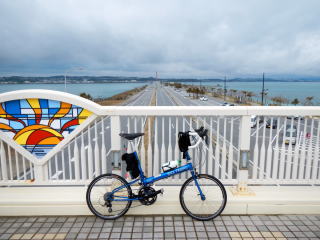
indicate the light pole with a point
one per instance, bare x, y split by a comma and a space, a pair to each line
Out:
65, 76
65, 81
262, 92
225, 88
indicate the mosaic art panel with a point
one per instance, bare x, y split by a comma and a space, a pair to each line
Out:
39, 125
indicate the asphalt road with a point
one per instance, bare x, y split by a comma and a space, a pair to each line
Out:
166, 129
61, 166
261, 137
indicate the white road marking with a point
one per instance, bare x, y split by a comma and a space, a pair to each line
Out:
254, 132
277, 134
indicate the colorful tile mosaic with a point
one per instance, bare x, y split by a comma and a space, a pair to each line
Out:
39, 125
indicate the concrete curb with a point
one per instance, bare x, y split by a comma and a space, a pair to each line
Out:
36, 201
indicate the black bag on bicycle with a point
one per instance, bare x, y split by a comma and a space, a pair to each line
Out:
132, 164
184, 142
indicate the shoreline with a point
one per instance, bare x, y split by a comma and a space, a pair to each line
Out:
62, 83
241, 97
119, 98
194, 83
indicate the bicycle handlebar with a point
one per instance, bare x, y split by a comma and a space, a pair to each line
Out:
203, 136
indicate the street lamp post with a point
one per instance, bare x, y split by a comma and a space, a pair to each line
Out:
262, 93
65, 76
65, 81
225, 88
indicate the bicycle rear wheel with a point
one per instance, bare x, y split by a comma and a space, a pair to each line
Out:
203, 209
100, 189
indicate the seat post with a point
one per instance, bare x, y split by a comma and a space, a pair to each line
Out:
131, 147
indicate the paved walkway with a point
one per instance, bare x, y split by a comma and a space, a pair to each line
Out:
162, 227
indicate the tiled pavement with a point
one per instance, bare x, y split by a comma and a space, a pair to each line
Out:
162, 227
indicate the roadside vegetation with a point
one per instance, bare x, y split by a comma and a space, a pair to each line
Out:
86, 95
116, 99
239, 97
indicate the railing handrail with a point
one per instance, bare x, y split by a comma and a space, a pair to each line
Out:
210, 110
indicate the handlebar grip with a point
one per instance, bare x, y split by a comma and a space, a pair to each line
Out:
199, 130
204, 136
204, 133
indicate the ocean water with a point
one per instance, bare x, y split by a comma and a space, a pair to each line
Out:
289, 90
96, 90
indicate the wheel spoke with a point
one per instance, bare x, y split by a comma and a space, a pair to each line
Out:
215, 197
106, 184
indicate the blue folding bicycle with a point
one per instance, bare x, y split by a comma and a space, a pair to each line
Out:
202, 196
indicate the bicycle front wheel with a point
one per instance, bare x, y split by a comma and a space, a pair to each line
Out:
105, 200
208, 207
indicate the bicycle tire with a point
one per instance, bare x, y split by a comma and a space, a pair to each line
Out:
91, 205
207, 216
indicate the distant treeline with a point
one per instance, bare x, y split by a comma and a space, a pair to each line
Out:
71, 79
103, 79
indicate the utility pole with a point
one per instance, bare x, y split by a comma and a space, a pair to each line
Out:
262, 93
225, 88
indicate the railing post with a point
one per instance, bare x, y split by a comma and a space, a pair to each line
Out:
3, 163
243, 161
41, 172
115, 140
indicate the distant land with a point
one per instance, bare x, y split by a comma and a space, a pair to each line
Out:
119, 79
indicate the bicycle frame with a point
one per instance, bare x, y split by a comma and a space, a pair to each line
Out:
150, 180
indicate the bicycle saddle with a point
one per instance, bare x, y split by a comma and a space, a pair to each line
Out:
130, 136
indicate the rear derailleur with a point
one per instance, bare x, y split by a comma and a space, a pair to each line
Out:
108, 197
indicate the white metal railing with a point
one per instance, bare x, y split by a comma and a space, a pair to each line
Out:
95, 147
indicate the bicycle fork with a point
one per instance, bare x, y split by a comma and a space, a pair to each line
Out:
194, 176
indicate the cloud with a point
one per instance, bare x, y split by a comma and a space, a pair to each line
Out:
176, 38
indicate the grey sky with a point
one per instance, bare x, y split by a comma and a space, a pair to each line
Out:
175, 38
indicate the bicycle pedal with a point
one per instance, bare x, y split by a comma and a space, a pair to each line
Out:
161, 191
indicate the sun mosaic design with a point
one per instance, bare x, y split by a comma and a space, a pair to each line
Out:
39, 125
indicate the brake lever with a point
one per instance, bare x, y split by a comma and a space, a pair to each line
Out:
206, 140
205, 136
200, 130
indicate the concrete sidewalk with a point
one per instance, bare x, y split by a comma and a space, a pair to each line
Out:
162, 227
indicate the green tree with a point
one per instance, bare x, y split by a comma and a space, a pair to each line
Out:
232, 92
250, 95
244, 94
308, 101
279, 100
177, 85
295, 101
189, 91
86, 95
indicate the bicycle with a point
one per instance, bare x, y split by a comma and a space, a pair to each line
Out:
202, 196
